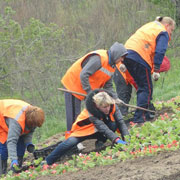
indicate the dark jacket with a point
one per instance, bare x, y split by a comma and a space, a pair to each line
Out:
101, 124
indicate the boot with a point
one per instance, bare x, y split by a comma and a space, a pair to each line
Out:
20, 161
3, 167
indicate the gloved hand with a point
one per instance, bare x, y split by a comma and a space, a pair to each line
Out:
30, 147
122, 68
119, 101
155, 76
119, 141
15, 166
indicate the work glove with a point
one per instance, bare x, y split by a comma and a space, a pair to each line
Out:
119, 101
30, 147
15, 166
155, 76
119, 141
122, 68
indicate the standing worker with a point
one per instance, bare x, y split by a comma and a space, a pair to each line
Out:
94, 70
99, 120
124, 83
18, 121
146, 50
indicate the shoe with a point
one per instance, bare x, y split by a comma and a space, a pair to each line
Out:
138, 122
99, 145
3, 167
151, 115
128, 121
80, 146
20, 161
44, 162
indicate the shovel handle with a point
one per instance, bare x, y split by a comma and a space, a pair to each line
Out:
128, 105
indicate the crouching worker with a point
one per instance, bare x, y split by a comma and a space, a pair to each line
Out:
99, 121
18, 121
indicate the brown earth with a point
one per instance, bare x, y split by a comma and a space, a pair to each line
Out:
163, 166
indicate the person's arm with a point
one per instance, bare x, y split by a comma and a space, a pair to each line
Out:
120, 123
161, 47
109, 86
93, 64
103, 128
28, 137
13, 136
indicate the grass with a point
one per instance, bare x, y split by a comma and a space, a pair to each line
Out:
51, 127
168, 85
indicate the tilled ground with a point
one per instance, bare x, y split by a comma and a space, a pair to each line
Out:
163, 166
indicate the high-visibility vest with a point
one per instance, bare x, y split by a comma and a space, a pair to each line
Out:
14, 109
143, 41
89, 128
71, 80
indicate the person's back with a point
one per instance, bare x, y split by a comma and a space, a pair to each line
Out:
146, 50
94, 70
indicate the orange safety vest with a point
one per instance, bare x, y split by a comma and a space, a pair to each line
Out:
85, 130
71, 80
14, 109
127, 76
143, 41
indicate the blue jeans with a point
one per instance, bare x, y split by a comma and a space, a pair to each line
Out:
20, 149
66, 145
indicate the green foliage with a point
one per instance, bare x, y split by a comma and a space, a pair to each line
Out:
166, 87
147, 140
167, 7
36, 50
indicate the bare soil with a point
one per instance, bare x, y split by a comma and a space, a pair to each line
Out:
163, 166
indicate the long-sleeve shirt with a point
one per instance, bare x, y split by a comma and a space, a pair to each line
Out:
103, 128
14, 133
90, 66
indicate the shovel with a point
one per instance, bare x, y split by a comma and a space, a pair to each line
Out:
123, 103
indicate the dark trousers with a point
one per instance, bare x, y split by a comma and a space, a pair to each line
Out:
123, 90
142, 77
73, 109
20, 149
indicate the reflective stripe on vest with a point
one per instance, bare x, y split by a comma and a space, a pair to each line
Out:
71, 80
20, 113
14, 109
106, 71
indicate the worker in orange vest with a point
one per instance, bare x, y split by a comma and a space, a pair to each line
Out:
146, 50
99, 120
94, 70
124, 83
18, 121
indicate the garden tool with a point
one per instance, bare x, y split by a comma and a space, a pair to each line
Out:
118, 101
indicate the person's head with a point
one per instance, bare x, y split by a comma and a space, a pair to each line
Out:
34, 116
103, 101
168, 22
118, 52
